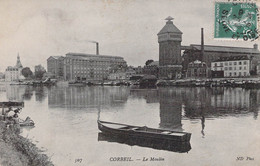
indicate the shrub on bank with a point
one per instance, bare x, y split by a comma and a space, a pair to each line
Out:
10, 136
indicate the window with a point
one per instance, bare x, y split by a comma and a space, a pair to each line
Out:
239, 73
216, 64
226, 68
235, 63
230, 74
235, 68
226, 64
240, 68
240, 63
221, 64
244, 73
230, 63
230, 68
245, 63
235, 73
245, 68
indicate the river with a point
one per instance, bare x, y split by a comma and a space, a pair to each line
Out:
223, 121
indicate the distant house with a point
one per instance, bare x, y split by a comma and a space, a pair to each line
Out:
14, 73
197, 69
130, 72
234, 66
117, 76
2, 75
138, 70
122, 74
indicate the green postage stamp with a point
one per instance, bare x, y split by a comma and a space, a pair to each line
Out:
237, 21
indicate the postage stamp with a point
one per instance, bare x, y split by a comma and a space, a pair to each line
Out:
238, 21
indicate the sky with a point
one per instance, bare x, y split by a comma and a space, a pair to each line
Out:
39, 29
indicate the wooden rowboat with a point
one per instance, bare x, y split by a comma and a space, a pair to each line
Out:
142, 132
166, 145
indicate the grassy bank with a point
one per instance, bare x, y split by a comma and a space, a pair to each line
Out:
18, 151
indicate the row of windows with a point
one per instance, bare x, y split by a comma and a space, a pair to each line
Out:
238, 68
89, 72
236, 74
89, 68
11, 69
230, 63
93, 62
87, 76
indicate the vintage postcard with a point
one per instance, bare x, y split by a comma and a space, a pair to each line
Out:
129, 82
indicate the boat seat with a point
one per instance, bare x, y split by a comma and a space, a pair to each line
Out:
177, 134
166, 132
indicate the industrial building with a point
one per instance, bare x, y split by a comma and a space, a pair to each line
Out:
55, 66
79, 66
234, 66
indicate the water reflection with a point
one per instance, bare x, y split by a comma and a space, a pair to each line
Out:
23, 93
204, 112
175, 103
173, 146
220, 102
83, 97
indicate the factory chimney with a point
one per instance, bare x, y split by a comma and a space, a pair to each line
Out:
97, 48
202, 44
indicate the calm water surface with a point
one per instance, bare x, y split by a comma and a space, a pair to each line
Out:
224, 123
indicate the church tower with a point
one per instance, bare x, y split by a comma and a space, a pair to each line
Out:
169, 39
18, 62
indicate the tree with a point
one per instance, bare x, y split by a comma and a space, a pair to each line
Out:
26, 72
39, 74
115, 67
149, 62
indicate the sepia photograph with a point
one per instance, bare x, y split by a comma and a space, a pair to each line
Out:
129, 82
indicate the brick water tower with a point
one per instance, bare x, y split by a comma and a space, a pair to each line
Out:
169, 39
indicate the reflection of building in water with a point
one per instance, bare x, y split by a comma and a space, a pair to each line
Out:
170, 109
15, 93
151, 96
170, 105
87, 96
2, 88
40, 93
219, 101
231, 99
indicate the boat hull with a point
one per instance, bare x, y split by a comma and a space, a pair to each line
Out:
144, 132
173, 146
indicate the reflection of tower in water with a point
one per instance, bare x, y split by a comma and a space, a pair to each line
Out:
170, 109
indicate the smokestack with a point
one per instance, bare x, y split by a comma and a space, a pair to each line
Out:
202, 44
97, 49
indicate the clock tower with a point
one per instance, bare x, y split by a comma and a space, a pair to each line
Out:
169, 39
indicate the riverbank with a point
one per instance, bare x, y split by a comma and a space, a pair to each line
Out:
248, 83
17, 150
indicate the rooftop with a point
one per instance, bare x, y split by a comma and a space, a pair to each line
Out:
212, 48
169, 27
154, 63
92, 55
197, 62
55, 57
232, 58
